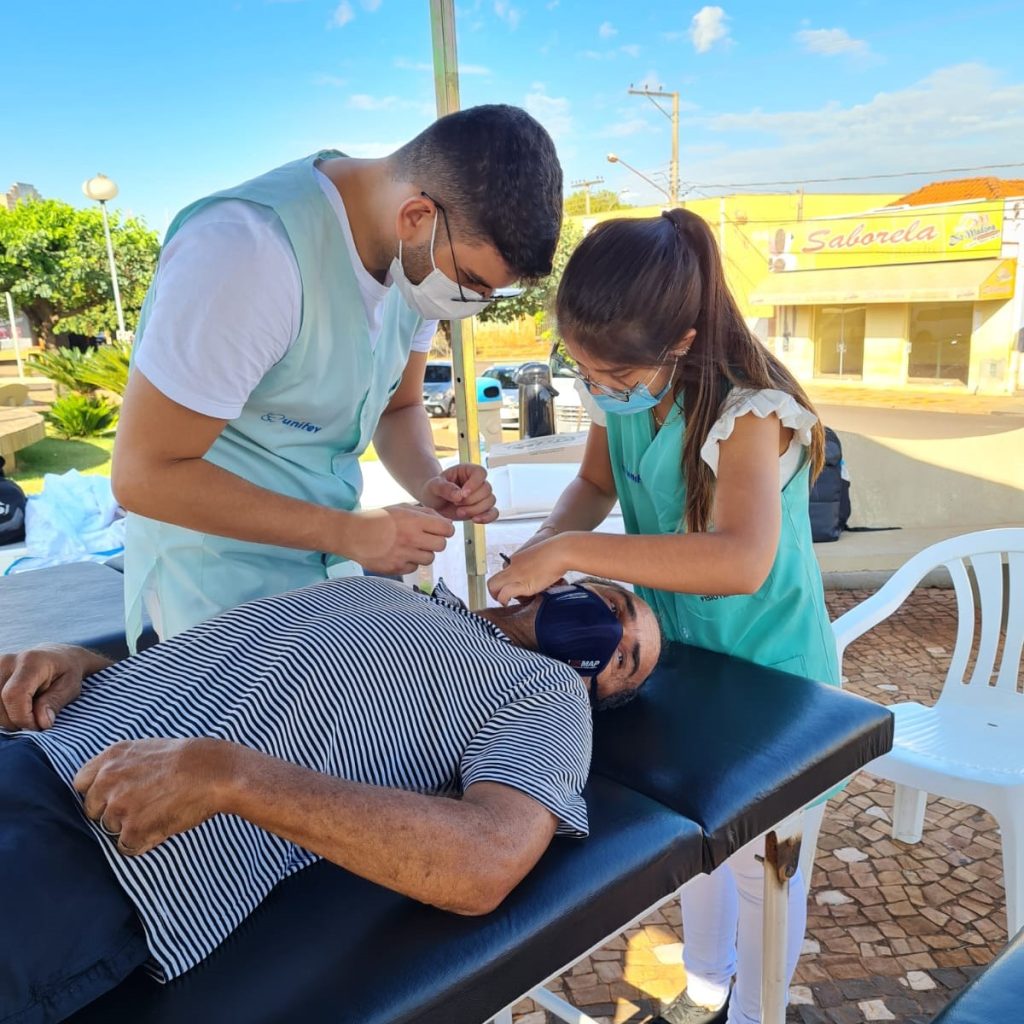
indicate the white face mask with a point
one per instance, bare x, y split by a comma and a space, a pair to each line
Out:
437, 296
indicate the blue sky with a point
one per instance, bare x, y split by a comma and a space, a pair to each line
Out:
176, 100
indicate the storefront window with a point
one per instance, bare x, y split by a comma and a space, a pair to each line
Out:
940, 341
839, 340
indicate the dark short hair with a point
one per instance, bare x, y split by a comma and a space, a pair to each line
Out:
496, 172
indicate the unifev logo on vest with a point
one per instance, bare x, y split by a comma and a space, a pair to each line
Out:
277, 417
630, 475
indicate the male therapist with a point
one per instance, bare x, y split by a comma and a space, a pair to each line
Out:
287, 327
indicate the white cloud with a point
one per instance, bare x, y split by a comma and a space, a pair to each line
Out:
343, 14
332, 80
421, 65
364, 101
627, 127
507, 13
832, 42
607, 30
370, 5
963, 114
708, 27
552, 111
631, 49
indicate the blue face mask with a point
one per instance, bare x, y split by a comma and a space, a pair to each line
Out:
576, 626
640, 400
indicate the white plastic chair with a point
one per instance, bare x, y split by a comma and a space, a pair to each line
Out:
970, 745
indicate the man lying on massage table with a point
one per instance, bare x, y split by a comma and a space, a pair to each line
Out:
325, 722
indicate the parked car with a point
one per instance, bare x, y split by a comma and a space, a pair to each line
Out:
439, 389
570, 413
507, 376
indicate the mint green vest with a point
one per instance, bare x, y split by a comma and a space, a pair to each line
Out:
302, 430
785, 624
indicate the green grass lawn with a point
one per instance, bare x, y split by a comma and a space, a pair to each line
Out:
56, 455
87, 455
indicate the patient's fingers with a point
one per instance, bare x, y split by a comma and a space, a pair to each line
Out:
60, 694
26, 674
86, 775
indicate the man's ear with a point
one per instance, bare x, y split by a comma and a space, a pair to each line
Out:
414, 219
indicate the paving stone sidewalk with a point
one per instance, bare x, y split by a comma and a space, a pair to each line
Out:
894, 930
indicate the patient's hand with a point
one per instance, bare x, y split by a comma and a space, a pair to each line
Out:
36, 684
144, 791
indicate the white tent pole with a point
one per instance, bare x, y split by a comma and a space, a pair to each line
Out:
446, 83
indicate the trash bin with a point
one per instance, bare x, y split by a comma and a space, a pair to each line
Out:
488, 410
536, 400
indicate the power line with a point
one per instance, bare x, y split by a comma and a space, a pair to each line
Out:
858, 177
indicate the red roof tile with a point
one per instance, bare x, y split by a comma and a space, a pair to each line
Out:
963, 188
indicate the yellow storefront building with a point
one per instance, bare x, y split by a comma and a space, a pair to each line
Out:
906, 295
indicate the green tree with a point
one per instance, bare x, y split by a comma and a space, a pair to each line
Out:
602, 201
538, 300
53, 261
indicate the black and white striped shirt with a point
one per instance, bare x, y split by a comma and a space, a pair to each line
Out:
360, 678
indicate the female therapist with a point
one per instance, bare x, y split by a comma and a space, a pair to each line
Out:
286, 328
708, 445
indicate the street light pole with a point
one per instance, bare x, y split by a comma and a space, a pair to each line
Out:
654, 96
101, 188
612, 158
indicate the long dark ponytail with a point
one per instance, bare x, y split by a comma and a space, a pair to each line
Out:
631, 291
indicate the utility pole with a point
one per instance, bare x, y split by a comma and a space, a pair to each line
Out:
585, 185
446, 87
654, 96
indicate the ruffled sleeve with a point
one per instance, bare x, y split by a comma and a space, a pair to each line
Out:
742, 401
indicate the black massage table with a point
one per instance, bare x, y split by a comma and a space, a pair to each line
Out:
672, 794
996, 996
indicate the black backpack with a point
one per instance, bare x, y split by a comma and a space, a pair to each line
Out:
12, 510
830, 493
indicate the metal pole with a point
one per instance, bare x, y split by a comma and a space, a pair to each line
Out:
446, 86
673, 186
113, 269
14, 337
654, 95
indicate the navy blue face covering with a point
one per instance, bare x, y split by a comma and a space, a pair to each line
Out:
576, 626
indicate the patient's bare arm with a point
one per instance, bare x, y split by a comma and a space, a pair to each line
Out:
461, 855
36, 684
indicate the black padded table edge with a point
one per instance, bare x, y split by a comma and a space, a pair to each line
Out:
80, 603
329, 947
734, 746
996, 996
